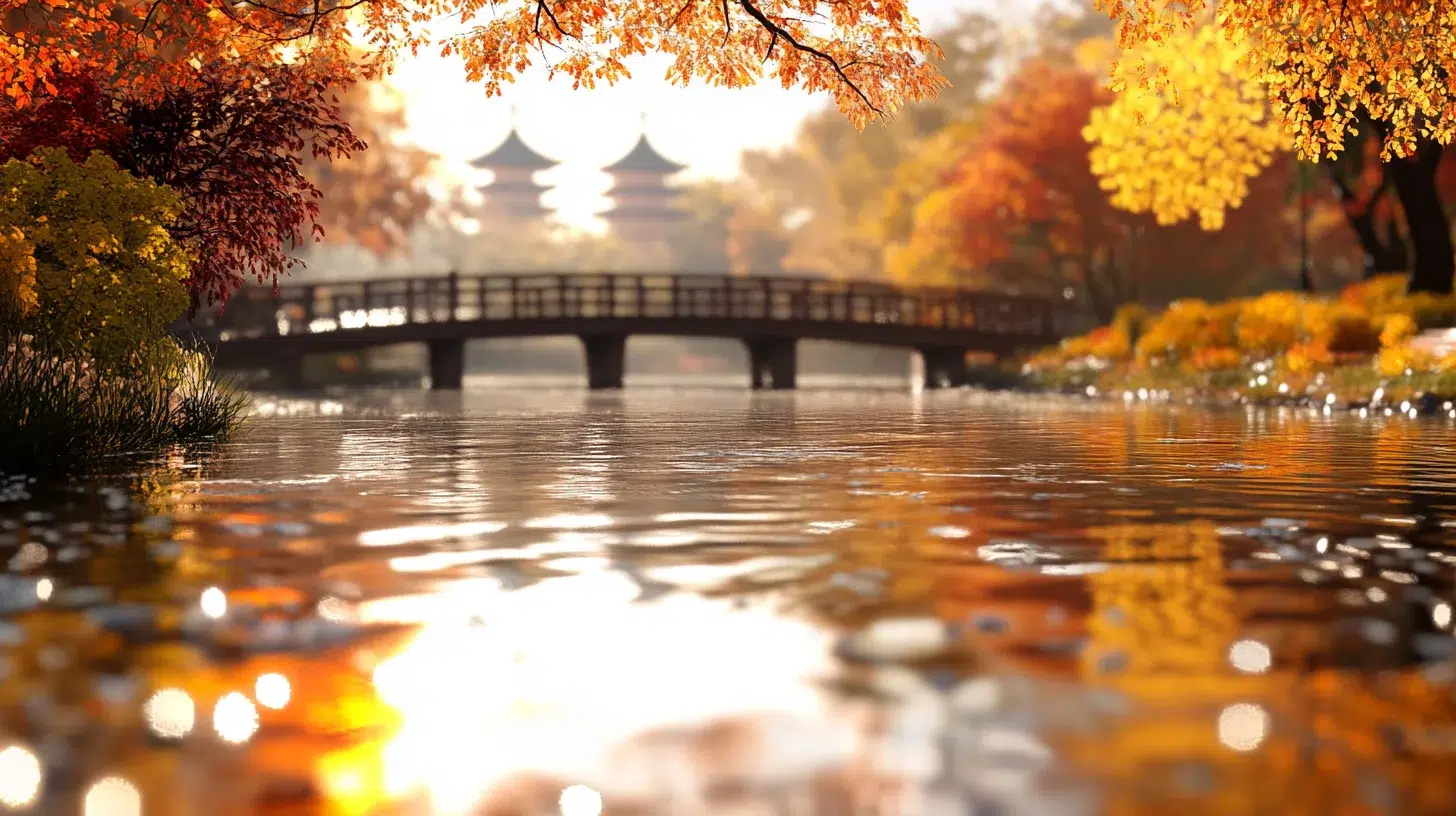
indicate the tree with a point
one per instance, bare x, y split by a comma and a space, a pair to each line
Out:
699, 241
1023, 209
1193, 149
99, 273
231, 146
1332, 70
1325, 63
757, 242
868, 54
891, 220
830, 182
374, 197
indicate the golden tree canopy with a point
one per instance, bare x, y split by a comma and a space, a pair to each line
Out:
1190, 145
1323, 60
103, 275
868, 54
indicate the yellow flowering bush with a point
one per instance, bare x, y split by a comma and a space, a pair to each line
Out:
1379, 295
1397, 330
1395, 361
1373, 325
1105, 342
1132, 320
1188, 325
1305, 358
89, 244
1386, 295
1215, 358
1270, 323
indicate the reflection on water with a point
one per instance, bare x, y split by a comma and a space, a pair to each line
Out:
672, 602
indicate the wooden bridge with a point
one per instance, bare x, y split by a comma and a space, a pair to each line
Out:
769, 314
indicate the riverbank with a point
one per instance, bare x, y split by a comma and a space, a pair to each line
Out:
1361, 350
63, 414
1351, 387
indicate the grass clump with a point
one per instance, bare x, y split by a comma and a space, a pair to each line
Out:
60, 412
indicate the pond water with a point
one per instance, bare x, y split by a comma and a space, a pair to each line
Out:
536, 600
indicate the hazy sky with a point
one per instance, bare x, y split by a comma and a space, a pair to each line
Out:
704, 127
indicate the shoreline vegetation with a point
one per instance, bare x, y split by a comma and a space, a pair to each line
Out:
1356, 351
60, 412
90, 278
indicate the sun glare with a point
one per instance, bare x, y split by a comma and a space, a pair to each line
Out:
563, 671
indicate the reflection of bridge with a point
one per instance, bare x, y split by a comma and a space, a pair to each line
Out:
768, 314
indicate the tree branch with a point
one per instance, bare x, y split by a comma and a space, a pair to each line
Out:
779, 31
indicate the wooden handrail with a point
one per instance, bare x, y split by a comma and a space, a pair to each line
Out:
585, 296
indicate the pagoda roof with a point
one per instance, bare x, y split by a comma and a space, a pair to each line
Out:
644, 158
513, 152
655, 191
516, 209
507, 188
642, 214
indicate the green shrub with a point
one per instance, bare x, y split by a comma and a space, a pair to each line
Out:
87, 267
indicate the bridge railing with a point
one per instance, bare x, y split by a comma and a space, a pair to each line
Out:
315, 308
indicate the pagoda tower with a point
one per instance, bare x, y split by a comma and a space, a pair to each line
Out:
643, 205
513, 195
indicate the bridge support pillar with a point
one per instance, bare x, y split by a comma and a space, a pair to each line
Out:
945, 367
774, 362
447, 365
606, 360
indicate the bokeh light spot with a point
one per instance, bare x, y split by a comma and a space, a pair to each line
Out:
273, 691
579, 800
214, 603
1250, 657
235, 718
112, 796
1243, 726
20, 777
170, 713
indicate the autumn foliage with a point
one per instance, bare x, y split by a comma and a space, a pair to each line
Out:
868, 54
230, 146
1024, 208
1190, 147
95, 270
372, 198
1332, 74
1325, 62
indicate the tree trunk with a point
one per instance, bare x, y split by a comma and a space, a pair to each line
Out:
1414, 178
1383, 255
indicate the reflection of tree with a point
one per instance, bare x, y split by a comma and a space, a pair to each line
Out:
1162, 612
1161, 623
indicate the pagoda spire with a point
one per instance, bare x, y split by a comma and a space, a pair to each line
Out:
643, 205
514, 193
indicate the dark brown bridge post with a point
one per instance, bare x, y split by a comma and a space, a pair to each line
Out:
447, 365
606, 359
945, 367
310, 297
773, 362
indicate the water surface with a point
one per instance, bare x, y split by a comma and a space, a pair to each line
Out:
531, 600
